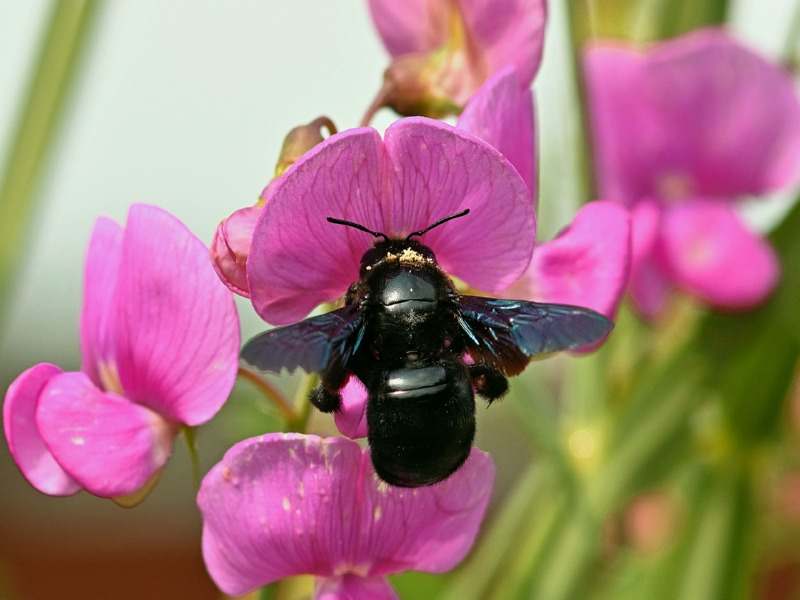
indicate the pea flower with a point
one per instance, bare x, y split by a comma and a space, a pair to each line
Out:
290, 504
160, 341
682, 132
423, 170
231, 244
588, 264
443, 50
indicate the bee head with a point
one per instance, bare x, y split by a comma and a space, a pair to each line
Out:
405, 250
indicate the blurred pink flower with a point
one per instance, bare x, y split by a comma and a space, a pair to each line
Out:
443, 50
681, 131
160, 341
422, 171
588, 264
289, 504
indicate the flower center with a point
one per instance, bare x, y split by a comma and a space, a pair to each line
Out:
110, 378
673, 186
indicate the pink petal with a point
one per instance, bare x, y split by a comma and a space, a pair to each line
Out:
508, 32
97, 315
108, 444
650, 281
437, 170
697, 115
588, 264
501, 114
288, 504
231, 247
352, 419
498, 34
299, 260
25, 443
353, 587
177, 336
712, 254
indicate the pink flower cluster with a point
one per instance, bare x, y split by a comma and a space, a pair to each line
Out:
681, 132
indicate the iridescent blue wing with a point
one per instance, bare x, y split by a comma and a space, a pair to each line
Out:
506, 334
323, 344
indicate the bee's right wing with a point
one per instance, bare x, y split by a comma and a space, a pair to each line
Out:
323, 344
506, 334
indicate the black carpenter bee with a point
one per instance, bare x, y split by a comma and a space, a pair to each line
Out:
405, 332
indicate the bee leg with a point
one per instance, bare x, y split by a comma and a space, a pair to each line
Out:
325, 400
489, 383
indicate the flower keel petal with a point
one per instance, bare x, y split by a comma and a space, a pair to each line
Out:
27, 447
108, 444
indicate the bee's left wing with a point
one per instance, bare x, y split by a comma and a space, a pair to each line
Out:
323, 344
506, 334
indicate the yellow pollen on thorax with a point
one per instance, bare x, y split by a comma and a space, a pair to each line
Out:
408, 256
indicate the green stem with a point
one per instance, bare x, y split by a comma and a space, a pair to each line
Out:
300, 421
791, 47
190, 437
271, 393
578, 36
37, 126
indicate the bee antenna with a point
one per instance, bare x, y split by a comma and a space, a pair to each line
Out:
437, 223
359, 227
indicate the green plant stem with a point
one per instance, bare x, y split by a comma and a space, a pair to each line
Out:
37, 126
271, 393
578, 35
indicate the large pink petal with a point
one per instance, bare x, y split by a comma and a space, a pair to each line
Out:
100, 281
351, 420
287, 504
697, 115
107, 443
501, 114
437, 170
626, 137
29, 451
712, 254
588, 264
650, 281
177, 336
299, 260
353, 587
231, 247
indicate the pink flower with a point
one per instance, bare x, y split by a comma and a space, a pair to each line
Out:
160, 341
444, 50
231, 247
421, 171
682, 131
288, 504
231, 244
588, 264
